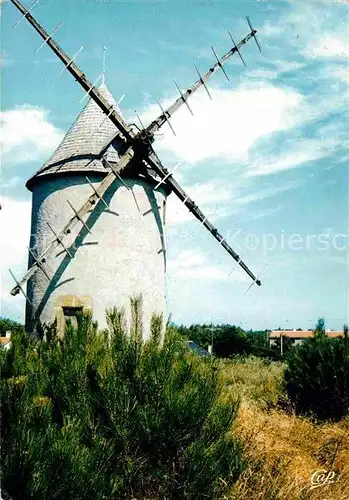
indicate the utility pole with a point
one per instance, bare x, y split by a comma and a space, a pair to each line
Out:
281, 345
210, 347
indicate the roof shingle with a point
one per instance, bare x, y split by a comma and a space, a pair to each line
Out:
301, 334
80, 148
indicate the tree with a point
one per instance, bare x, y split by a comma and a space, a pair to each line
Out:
9, 325
230, 340
103, 415
320, 328
287, 344
317, 376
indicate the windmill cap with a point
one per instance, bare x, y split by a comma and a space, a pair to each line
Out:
79, 151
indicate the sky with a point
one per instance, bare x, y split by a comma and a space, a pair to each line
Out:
266, 159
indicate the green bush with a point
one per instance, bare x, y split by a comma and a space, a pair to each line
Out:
317, 376
102, 415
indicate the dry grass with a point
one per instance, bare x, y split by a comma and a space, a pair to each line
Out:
282, 450
255, 379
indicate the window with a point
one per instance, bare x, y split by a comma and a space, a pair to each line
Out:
68, 307
70, 314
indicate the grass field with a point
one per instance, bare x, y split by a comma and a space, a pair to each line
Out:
282, 450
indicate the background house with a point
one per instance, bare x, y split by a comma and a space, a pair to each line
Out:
5, 342
298, 336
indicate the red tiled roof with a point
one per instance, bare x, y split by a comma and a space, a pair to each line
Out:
4, 340
303, 334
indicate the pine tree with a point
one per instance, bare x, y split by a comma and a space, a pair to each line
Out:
317, 377
104, 415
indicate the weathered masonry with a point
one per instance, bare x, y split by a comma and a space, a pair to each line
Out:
118, 252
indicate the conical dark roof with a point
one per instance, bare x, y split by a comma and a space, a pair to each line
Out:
79, 149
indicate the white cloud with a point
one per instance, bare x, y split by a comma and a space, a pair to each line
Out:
311, 32
280, 67
229, 126
343, 159
4, 59
285, 66
262, 194
301, 152
328, 46
192, 264
239, 125
270, 30
12, 182
218, 201
26, 134
342, 74
259, 214
262, 73
187, 259
15, 228
207, 196
14, 214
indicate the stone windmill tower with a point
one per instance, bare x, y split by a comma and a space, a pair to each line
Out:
99, 208
118, 252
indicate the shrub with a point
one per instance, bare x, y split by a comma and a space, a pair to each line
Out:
102, 415
317, 376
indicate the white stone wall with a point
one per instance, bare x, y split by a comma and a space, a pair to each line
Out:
124, 254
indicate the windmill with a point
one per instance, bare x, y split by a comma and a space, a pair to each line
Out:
105, 182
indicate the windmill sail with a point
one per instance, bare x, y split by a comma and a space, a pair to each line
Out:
133, 146
155, 163
79, 76
158, 122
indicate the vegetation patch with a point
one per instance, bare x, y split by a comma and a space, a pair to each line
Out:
317, 376
103, 415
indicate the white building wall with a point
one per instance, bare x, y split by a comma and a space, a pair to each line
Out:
124, 255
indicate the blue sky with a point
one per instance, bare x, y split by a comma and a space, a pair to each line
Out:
266, 159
